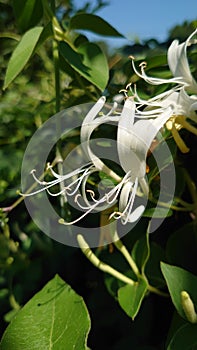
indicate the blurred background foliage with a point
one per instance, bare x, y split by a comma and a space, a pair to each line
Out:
28, 258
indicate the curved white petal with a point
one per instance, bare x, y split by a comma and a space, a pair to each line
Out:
178, 62
126, 201
90, 123
134, 139
136, 214
129, 161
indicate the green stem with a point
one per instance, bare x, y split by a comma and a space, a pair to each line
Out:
57, 75
121, 247
13, 36
99, 264
157, 291
57, 108
13, 302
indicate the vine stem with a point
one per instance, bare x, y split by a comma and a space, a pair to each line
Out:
121, 247
57, 109
108, 269
100, 264
57, 75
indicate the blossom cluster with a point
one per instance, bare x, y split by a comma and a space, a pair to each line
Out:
138, 123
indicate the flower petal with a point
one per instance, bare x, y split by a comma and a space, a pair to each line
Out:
129, 161
178, 62
134, 140
90, 123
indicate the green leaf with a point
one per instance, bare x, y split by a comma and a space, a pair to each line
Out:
89, 61
130, 297
93, 23
179, 280
184, 339
55, 318
22, 54
28, 13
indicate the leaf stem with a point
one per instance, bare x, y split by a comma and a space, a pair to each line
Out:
157, 291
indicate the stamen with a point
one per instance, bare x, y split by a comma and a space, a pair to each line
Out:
182, 120
60, 178
153, 80
179, 141
36, 179
56, 194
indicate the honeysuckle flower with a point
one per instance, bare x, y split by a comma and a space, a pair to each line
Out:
133, 142
178, 64
125, 189
184, 108
184, 104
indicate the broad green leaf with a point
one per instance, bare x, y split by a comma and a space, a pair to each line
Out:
55, 318
22, 54
89, 61
94, 24
130, 297
27, 12
179, 280
184, 339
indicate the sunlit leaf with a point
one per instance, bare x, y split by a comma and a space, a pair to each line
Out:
22, 54
55, 318
89, 61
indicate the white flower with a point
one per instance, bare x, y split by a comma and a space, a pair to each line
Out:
133, 142
178, 64
184, 105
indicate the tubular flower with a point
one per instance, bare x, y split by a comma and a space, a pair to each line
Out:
133, 142
184, 104
178, 62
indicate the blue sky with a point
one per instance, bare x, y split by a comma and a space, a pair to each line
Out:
145, 19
